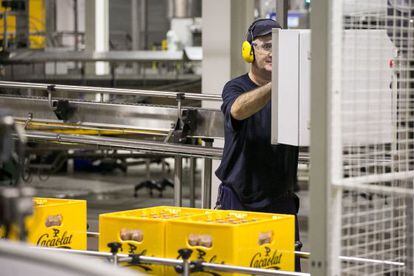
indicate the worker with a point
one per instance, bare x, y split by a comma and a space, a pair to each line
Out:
255, 175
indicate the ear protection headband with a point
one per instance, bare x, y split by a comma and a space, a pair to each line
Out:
247, 47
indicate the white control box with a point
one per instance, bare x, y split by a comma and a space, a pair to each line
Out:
291, 87
368, 102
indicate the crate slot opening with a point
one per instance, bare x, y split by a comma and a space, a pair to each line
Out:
202, 240
54, 220
131, 235
265, 237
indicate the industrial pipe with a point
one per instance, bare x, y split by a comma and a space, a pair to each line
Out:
113, 91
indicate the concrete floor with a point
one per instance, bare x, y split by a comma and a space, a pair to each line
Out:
114, 192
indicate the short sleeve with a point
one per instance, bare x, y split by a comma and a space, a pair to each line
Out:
231, 92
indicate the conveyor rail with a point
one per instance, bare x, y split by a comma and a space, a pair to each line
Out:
212, 266
106, 90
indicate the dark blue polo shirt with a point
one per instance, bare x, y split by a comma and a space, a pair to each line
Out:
257, 171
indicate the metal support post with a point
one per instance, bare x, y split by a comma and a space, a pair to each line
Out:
147, 168
179, 98
115, 246
115, 260
5, 34
206, 185
185, 254
76, 26
178, 180
50, 27
186, 268
282, 12
192, 181
319, 163
22, 25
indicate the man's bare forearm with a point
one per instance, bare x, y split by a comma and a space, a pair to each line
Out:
251, 102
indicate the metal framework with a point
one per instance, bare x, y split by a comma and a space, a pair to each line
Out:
113, 124
119, 258
113, 91
42, 65
362, 138
185, 264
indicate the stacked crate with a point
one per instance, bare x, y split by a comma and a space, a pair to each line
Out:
57, 223
257, 240
140, 231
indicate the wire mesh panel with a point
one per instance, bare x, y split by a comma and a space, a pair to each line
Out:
372, 136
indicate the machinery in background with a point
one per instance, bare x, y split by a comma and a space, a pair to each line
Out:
37, 45
16, 204
22, 24
11, 151
152, 69
15, 200
66, 118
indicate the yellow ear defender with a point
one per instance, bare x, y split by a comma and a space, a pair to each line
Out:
247, 47
247, 51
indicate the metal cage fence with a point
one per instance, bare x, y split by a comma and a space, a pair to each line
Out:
372, 134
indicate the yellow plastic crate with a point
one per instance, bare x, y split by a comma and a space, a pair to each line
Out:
57, 223
141, 231
257, 240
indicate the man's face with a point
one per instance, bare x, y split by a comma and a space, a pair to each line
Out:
263, 52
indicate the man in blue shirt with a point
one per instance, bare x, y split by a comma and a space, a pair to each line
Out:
255, 175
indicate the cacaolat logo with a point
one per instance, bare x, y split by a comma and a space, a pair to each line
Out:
55, 239
268, 259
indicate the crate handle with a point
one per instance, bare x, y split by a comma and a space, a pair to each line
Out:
135, 235
265, 237
203, 240
54, 220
